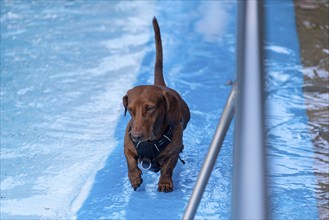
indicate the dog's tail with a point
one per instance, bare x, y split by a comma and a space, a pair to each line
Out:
158, 68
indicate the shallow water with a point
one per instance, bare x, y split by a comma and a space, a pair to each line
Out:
181, 70
65, 66
62, 79
312, 20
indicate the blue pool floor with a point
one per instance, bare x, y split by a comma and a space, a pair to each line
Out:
286, 201
65, 67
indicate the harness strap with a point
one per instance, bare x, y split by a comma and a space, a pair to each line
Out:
181, 160
148, 151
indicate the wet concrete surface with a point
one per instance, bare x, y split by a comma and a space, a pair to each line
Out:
312, 20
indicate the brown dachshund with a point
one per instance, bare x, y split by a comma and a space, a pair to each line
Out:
154, 134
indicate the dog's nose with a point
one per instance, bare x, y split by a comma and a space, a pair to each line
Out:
136, 137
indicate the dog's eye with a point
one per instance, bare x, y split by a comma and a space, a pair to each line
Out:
150, 108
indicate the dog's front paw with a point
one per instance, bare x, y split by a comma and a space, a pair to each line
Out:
136, 183
165, 185
135, 179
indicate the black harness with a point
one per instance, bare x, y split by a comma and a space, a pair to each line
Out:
148, 151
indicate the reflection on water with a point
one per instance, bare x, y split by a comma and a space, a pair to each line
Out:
291, 180
290, 148
313, 28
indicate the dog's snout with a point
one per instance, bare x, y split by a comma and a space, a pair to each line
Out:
136, 136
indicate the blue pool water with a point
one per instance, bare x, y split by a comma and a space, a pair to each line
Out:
65, 66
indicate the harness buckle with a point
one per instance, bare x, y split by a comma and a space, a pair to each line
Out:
144, 167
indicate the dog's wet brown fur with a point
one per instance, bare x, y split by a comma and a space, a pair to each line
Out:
153, 108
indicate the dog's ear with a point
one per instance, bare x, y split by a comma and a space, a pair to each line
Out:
173, 112
125, 103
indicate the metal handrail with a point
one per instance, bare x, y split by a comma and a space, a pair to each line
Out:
212, 154
249, 189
